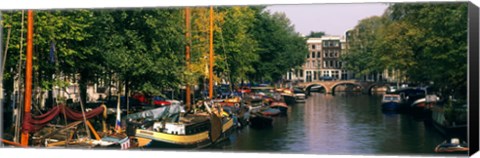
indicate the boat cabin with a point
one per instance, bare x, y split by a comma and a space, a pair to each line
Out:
391, 98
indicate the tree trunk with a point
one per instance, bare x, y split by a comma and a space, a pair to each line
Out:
127, 90
83, 85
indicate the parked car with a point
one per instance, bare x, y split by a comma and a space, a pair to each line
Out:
111, 103
160, 101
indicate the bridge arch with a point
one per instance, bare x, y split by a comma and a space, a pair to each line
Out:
332, 88
371, 86
329, 86
309, 86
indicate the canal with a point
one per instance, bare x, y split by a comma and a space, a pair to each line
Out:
342, 124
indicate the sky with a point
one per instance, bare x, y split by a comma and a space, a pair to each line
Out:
333, 19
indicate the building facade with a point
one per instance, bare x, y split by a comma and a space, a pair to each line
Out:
322, 62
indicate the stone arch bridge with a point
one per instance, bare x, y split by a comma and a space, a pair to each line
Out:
364, 86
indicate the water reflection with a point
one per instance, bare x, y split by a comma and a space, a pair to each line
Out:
346, 123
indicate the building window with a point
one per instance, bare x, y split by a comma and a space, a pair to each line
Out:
313, 55
324, 64
313, 47
301, 72
331, 63
309, 76
335, 74
318, 54
308, 55
315, 75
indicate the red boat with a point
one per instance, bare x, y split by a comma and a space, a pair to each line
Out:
244, 90
282, 106
271, 112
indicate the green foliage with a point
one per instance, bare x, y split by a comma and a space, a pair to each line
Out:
141, 45
237, 42
426, 42
144, 48
315, 34
362, 57
280, 47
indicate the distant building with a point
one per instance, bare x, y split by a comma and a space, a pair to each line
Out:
322, 61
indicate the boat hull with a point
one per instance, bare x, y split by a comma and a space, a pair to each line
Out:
289, 99
452, 148
271, 112
283, 107
392, 106
440, 123
258, 121
197, 140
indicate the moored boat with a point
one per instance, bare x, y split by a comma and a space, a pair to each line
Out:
425, 103
288, 96
409, 95
452, 146
271, 112
191, 131
260, 121
391, 102
282, 106
299, 95
452, 123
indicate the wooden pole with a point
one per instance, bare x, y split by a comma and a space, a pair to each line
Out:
12, 143
187, 55
1, 79
210, 90
28, 75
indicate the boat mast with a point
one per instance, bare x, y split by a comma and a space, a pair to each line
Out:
18, 87
210, 90
187, 55
28, 76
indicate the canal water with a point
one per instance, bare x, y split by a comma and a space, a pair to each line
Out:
345, 123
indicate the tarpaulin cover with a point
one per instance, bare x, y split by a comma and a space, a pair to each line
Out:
165, 112
35, 123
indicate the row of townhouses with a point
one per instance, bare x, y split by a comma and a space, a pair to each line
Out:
323, 62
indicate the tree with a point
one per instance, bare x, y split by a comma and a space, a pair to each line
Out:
64, 28
426, 42
316, 34
439, 33
362, 57
142, 45
237, 43
280, 47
